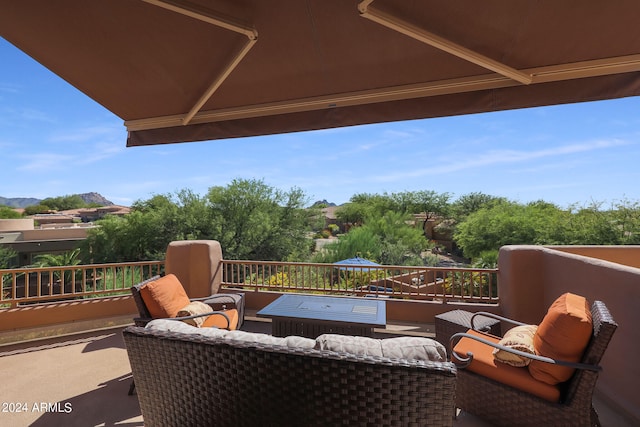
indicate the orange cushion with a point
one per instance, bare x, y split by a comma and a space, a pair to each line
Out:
484, 364
164, 297
218, 320
563, 334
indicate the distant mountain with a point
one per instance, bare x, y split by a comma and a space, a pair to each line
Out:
18, 202
23, 202
95, 198
322, 203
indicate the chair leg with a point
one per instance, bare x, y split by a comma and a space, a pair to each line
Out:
132, 388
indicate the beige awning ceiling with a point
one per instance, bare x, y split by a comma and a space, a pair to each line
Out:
179, 71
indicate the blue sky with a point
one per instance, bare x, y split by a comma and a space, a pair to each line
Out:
55, 141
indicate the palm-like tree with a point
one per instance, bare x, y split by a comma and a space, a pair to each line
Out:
65, 259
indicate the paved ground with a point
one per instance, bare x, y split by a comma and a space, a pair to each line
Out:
75, 381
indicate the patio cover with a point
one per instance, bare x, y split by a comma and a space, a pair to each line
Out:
179, 71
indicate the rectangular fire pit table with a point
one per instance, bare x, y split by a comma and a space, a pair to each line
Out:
310, 316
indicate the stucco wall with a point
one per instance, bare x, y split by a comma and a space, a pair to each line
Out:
197, 264
55, 233
625, 255
30, 317
16, 224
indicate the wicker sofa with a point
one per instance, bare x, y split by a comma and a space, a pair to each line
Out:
189, 379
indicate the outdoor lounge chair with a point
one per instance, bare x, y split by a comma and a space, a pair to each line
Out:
505, 405
226, 310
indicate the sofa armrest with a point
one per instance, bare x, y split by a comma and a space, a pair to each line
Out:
462, 362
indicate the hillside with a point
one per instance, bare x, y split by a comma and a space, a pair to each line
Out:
23, 202
18, 202
95, 198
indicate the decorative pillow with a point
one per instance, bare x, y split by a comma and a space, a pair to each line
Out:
414, 348
518, 338
563, 334
192, 309
164, 297
359, 346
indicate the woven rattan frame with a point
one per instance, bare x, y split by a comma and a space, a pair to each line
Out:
216, 301
505, 406
191, 380
452, 322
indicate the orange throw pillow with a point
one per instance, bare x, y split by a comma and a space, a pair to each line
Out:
563, 334
164, 297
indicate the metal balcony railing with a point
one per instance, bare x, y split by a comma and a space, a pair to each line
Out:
45, 284
418, 283
32, 285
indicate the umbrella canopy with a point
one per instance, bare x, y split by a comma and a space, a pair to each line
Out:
196, 70
355, 263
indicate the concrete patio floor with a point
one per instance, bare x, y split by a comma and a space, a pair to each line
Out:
82, 380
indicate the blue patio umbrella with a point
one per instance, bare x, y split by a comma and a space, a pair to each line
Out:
355, 263
358, 266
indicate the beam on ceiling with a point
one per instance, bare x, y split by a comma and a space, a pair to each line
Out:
441, 43
193, 11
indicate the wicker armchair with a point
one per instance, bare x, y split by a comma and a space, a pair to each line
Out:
192, 380
503, 405
217, 302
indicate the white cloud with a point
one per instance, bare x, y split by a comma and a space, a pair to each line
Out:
100, 151
67, 160
88, 133
16, 117
45, 162
10, 88
497, 157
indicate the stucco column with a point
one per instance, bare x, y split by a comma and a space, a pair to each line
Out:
197, 264
521, 282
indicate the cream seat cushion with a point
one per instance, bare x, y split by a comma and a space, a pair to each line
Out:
410, 348
175, 326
